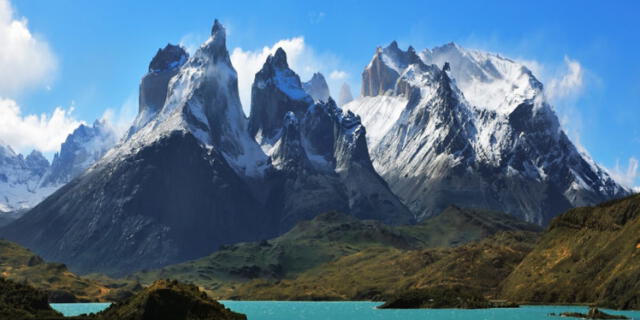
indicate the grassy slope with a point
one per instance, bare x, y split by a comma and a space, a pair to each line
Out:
19, 264
377, 273
588, 255
327, 238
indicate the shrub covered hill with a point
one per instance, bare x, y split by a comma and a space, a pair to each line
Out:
59, 284
169, 300
330, 240
21, 301
588, 255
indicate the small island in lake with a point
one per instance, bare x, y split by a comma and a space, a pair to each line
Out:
594, 313
169, 300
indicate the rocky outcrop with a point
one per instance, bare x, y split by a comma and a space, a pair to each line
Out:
276, 90
154, 85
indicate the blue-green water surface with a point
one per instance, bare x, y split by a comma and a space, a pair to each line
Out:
74, 309
286, 310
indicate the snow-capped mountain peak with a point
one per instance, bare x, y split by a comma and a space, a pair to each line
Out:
276, 90
489, 80
202, 99
472, 128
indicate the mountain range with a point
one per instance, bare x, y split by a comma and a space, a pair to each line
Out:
25, 181
196, 173
442, 127
465, 127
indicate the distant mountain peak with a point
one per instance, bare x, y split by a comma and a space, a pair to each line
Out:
345, 95
317, 87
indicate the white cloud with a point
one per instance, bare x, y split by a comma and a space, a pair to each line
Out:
301, 58
121, 118
25, 60
44, 132
338, 75
626, 176
567, 83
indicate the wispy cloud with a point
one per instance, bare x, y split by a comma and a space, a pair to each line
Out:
44, 132
627, 175
120, 118
25, 60
338, 75
567, 83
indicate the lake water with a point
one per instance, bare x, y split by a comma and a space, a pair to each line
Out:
285, 310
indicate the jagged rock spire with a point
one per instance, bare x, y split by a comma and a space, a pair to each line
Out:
278, 59
217, 27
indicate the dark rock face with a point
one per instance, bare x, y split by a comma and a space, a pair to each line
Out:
154, 85
320, 156
275, 91
317, 88
171, 202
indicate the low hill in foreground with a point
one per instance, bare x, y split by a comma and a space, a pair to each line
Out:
588, 255
326, 239
60, 285
169, 300
379, 273
21, 301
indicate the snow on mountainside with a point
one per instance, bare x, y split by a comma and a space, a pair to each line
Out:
20, 179
82, 148
465, 127
202, 98
25, 181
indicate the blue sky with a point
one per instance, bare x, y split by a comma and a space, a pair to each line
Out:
97, 51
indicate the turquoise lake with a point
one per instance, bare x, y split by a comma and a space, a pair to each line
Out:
285, 310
